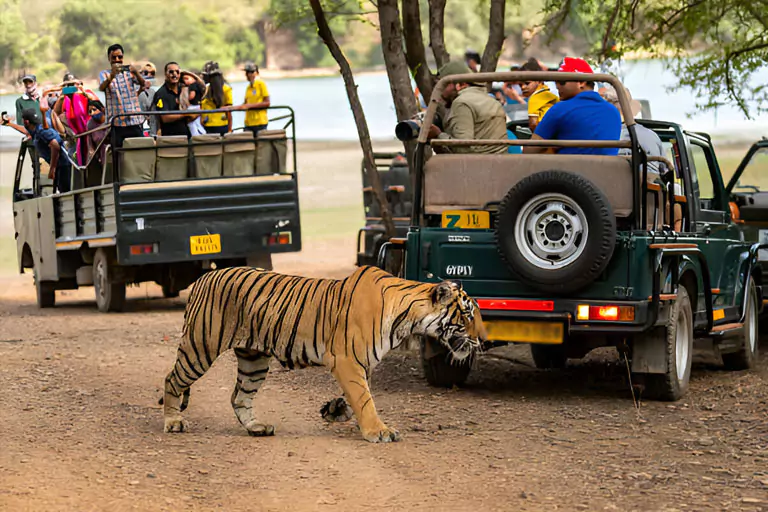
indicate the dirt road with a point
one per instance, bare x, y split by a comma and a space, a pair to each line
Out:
81, 428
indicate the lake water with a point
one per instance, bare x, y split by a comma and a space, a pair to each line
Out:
323, 113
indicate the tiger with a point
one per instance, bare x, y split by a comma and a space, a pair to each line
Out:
346, 325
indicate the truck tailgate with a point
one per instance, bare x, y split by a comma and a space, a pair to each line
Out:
206, 219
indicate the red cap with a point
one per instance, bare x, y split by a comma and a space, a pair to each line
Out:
574, 65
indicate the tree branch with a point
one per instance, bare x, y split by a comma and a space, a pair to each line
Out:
324, 31
414, 48
436, 32
495, 36
609, 29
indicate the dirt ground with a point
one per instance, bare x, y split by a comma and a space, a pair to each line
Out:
80, 428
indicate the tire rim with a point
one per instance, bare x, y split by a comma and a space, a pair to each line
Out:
551, 231
101, 280
682, 348
750, 321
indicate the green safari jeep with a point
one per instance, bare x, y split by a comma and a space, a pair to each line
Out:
573, 252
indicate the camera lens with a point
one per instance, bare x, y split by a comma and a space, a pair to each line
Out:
407, 130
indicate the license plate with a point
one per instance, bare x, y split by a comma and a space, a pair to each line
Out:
466, 219
204, 244
525, 332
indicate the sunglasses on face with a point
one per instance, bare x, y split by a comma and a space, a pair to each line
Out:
173, 71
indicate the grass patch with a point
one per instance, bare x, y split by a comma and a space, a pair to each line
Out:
320, 223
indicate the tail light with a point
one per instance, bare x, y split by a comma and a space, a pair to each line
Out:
282, 238
137, 250
605, 313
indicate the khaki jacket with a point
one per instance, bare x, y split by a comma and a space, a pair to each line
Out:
475, 115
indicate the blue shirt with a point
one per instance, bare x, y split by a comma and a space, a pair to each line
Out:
586, 116
42, 137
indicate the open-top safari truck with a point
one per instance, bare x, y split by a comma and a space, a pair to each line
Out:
573, 252
163, 209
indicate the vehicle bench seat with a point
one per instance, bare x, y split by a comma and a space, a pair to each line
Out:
470, 181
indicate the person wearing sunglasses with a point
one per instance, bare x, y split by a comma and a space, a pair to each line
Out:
581, 114
121, 85
167, 99
146, 95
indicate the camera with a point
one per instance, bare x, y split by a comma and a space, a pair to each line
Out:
69, 90
125, 67
409, 129
5, 118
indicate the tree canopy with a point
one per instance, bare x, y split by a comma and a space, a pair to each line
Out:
715, 47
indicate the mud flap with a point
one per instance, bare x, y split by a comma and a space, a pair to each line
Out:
649, 352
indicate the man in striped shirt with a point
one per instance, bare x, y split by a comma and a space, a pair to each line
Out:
121, 86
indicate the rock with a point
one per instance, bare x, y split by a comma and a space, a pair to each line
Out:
133, 482
203, 471
291, 454
706, 441
151, 475
751, 500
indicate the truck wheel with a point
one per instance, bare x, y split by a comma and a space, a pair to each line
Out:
556, 230
746, 356
46, 292
548, 357
439, 370
110, 296
677, 340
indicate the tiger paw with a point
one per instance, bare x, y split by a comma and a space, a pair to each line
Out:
385, 435
176, 424
259, 429
337, 410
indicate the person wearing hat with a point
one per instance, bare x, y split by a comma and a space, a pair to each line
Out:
148, 72
218, 94
49, 146
256, 100
581, 114
30, 98
474, 115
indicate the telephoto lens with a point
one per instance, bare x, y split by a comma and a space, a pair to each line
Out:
408, 129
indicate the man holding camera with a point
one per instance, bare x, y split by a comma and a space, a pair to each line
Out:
474, 115
121, 85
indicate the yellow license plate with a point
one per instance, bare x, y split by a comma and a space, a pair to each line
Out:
205, 244
525, 332
466, 219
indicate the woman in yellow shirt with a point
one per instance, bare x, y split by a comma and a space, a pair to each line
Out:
218, 94
256, 100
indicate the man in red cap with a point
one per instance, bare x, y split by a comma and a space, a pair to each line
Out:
581, 114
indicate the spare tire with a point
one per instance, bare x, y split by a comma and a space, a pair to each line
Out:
556, 230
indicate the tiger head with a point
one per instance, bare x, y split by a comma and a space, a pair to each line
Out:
454, 321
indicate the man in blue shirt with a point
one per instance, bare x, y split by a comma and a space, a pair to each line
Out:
49, 146
581, 114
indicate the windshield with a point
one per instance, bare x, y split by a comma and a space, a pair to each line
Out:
755, 175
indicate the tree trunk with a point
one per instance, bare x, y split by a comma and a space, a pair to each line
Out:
394, 59
436, 32
414, 48
495, 37
324, 31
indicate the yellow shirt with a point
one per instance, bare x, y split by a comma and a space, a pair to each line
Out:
256, 93
219, 119
541, 101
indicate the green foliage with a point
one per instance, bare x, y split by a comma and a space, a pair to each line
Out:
12, 33
715, 47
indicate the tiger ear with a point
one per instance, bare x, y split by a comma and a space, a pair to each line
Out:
458, 284
443, 293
